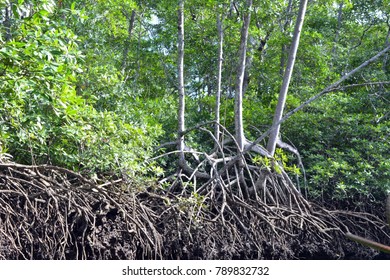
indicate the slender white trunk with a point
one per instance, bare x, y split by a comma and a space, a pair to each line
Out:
239, 127
180, 68
219, 79
286, 79
284, 27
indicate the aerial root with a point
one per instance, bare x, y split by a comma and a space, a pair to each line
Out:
47, 212
53, 213
262, 206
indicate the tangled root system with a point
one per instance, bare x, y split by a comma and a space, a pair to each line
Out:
47, 212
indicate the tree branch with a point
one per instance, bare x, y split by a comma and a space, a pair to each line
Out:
325, 91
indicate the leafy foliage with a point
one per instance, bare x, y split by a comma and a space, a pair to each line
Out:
84, 86
45, 115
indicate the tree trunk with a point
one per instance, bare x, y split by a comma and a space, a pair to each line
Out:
7, 21
387, 43
131, 20
388, 210
337, 35
219, 79
238, 121
336, 38
286, 80
248, 65
284, 27
180, 71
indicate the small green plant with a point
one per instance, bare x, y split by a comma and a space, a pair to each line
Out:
282, 158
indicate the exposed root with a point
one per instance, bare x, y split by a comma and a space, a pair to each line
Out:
263, 204
48, 212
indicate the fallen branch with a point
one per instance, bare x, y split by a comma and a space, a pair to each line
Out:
369, 243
